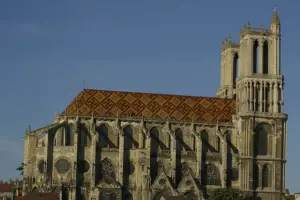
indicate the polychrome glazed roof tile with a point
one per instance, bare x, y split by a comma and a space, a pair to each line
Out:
103, 103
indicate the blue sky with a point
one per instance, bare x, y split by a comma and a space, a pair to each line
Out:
47, 49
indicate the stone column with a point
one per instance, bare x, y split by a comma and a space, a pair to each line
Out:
270, 99
93, 158
146, 172
265, 97
259, 176
281, 98
251, 96
73, 194
74, 164
284, 152
199, 156
222, 70
260, 56
261, 97
241, 180
275, 109
46, 147
141, 141
244, 96
255, 98
26, 156
60, 194
250, 57
121, 157
173, 157
139, 171
224, 162
145, 183
76, 135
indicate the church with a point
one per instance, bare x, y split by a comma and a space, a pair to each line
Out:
115, 145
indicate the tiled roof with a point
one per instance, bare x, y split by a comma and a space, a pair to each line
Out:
104, 103
6, 187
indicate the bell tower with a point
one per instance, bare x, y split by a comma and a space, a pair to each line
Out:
260, 118
229, 68
250, 69
251, 74
259, 84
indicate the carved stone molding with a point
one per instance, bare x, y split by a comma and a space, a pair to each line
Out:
263, 114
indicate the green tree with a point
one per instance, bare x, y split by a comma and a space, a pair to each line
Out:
21, 168
230, 194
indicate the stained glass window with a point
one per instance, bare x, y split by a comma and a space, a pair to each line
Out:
103, 135
261, 140
62, 165
41, 166
213, 175
107, 171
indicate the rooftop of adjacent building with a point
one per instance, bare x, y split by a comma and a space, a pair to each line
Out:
6, 187
39, 196
5, 198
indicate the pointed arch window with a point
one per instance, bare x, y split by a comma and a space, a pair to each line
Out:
59, 137
235, 68
261, 140
157, 140
103, 140
205, 141
265, 57
179, 140
108, 172
255, 57
84, 139
213, 175
265, 176
154, 134
69, 135
154, 148
129, 139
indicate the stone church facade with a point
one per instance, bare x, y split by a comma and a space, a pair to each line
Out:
111, 145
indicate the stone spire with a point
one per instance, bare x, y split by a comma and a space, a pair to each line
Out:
275, 18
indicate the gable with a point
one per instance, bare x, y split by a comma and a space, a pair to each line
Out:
101, 103
187, 183
162, 182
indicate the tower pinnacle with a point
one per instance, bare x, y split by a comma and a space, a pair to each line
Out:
275, 18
